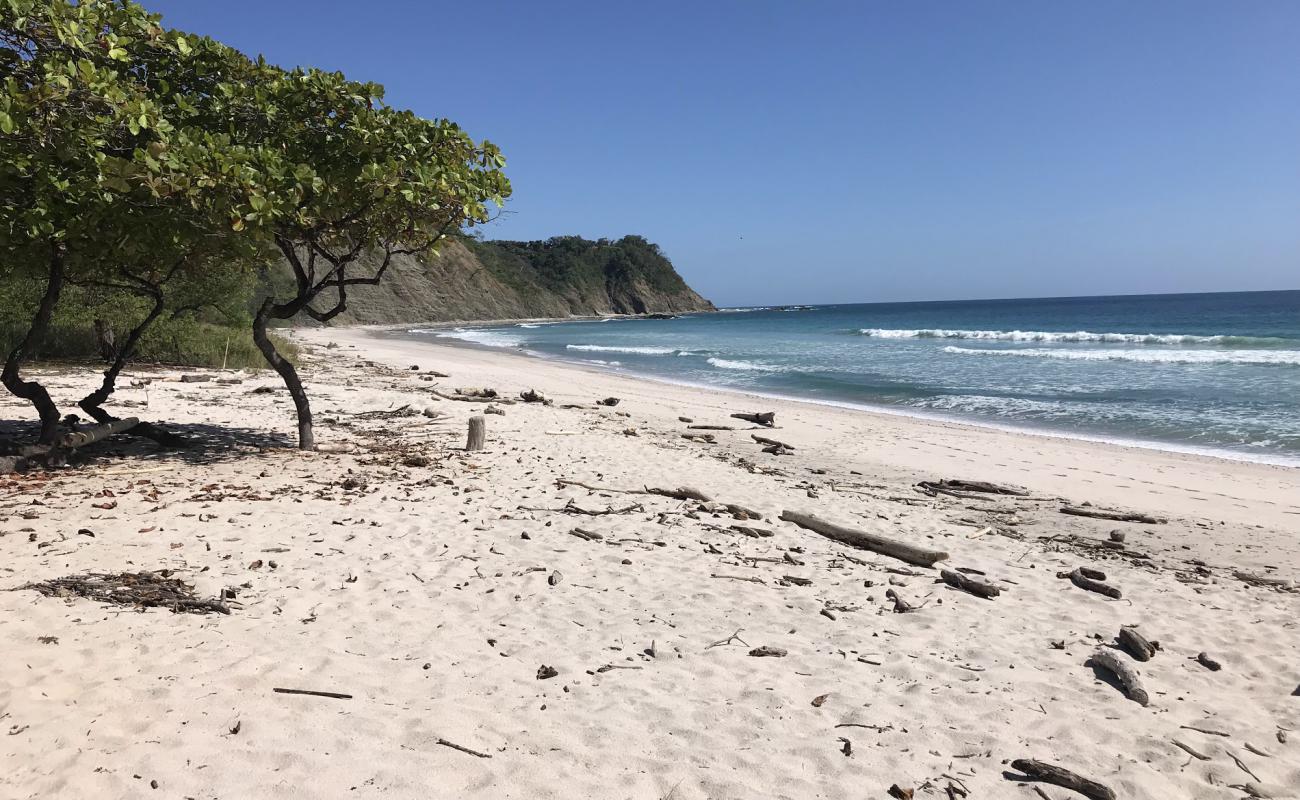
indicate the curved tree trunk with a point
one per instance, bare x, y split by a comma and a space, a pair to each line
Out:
32, 391
93, 403
269, 310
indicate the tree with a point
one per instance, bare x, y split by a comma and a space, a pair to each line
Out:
345, 175
103, 176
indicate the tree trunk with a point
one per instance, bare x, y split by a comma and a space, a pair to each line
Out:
306, 439
93, 403
477, 437
32, 391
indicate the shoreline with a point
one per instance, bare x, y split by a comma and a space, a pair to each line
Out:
1224, 454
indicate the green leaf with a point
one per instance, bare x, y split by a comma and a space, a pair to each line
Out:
6, 123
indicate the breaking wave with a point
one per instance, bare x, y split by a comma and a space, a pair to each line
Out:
1288, 357
477, 336
751, 366
644, 351
1075, 336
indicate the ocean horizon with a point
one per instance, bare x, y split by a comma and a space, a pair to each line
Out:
1212, 373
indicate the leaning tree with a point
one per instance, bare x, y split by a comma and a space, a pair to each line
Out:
347, 181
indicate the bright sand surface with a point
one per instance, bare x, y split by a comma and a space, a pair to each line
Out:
432, 596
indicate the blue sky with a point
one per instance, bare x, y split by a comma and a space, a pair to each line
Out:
822, 152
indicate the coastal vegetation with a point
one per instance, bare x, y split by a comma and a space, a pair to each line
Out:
160, 173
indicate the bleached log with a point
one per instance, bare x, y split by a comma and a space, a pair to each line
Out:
94, 433
867, 541
1124, 672
477, 437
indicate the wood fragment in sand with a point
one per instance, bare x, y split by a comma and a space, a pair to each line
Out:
1086, 578
756, 533
1189, 750
94, 433
1136, 645
771, 442
901, 606
968, 584
1209, 663
1059, 776
866, 541
767, 651
1124, 672
476, 439
313, 693
582, 533
1206, 731
735, 637
1267, 581
764, 418
1115, 516
710, 427
737, 578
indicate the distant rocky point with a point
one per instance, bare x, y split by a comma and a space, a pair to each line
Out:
496, 280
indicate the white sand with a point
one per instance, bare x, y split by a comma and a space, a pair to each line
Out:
416, 594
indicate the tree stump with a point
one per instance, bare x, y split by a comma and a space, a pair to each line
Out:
477, 433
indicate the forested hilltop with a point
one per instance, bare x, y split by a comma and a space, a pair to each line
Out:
472, 279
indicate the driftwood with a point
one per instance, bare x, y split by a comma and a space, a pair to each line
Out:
1117, 516
474, 398
94, 433
767, 651
771, 442
901, 606
706, 438
1092, 580
1123, 671
313, 693
680, 493
582, 533
1264, 580
967, 490
608, 401
533, 396
710, 427
1209, 663
866, 541
477, 437
1059, 776
1136, 645
755, 533
968, 584
766, 418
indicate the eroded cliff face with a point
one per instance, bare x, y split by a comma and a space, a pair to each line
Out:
559, 277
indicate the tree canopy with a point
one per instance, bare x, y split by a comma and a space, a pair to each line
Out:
168, 166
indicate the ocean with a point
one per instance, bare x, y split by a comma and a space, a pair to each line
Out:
1213, 373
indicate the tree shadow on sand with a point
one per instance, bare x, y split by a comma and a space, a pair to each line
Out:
206, 444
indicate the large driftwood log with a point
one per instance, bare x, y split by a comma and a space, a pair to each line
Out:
94, 433
765, 418
1059, 776
968, 584
866, 541
1123, 671
1264, 580
680, 493
963, 489
1092, 580
477, 437
1117, 516
1136, 645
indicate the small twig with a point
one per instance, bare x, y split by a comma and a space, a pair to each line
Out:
335, 695
735, 637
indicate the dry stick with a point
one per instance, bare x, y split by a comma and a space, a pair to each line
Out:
771, 442
1058, 776
461, 748
737, 578
1189, 750
335, 695
680, 493
1117, 516
735, 637
1207, 731
1086, 579
866, 541
710, 427
1243, 767
1136, 644
1123, 671
968, 584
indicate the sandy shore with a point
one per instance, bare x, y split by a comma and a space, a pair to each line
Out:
435, 593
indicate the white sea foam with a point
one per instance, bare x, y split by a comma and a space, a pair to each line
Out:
601, 348
1055, 336
478, 336
1144, 356
751, 366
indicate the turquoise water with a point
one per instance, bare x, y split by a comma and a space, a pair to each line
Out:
1216, 372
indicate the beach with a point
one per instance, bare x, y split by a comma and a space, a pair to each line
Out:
439, 590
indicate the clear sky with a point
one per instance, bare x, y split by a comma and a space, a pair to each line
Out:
789, 152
